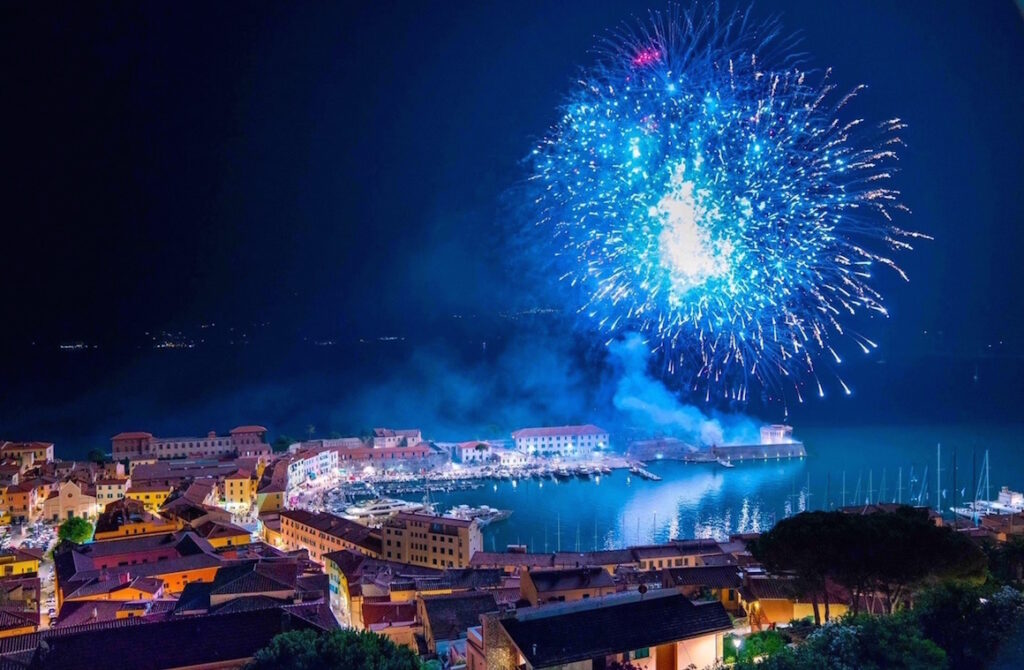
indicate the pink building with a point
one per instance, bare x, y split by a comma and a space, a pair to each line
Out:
245, 441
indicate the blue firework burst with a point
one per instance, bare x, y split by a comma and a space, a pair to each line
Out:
703, 189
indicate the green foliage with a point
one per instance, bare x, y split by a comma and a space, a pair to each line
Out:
1006, 560
766, 643
76, 530
97, 456
892, 553
337, 650
968, 622
282, 442
859, 643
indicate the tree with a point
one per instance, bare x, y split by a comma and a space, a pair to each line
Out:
912, 552
282, 443
969, 623
859, 643
892, 553
1006, 560
805, 546
75, 530
336, 650
97, 456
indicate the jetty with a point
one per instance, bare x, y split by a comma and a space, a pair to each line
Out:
640, 471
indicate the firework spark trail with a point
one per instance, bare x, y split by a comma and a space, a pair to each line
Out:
702, 189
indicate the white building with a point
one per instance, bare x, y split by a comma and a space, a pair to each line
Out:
566, 441
311, 466
776, 434
474, 451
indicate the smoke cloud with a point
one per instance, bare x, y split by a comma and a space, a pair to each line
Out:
646, 401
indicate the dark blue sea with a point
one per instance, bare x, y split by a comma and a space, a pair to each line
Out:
481, 383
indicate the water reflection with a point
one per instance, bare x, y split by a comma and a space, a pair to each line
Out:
705, 501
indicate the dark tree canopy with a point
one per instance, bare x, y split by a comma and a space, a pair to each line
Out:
336, 650
76, 530
891, 553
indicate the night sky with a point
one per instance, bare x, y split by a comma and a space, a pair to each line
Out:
343, 166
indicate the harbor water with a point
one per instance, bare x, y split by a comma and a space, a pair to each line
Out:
707, 500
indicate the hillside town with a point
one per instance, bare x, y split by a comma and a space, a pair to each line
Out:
213, 539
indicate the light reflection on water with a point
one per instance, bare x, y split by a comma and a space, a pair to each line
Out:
844, 463
692, 501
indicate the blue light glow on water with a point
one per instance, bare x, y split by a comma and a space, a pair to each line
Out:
710, 501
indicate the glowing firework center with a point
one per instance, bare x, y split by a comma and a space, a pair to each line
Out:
718, 204
688, 252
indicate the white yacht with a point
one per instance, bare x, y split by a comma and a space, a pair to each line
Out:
377, 510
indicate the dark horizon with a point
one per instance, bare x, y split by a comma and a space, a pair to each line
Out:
338, 173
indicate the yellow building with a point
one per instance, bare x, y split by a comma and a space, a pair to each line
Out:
221, 534
110, 490
129, 518
150, 495
27, 453
772, 600
565, 584
430, 541
240, 490
323, 533
13, 622
15, 562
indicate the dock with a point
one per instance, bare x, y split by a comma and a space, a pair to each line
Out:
644, 473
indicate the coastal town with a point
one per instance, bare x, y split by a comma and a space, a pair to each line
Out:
221, 542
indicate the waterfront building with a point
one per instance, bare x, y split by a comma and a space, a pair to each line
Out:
565, 584
322, 533
312, 465
776, 434
563, 441
241, 441
68, 501
388, 438
430, 541
663, 626
472, 452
